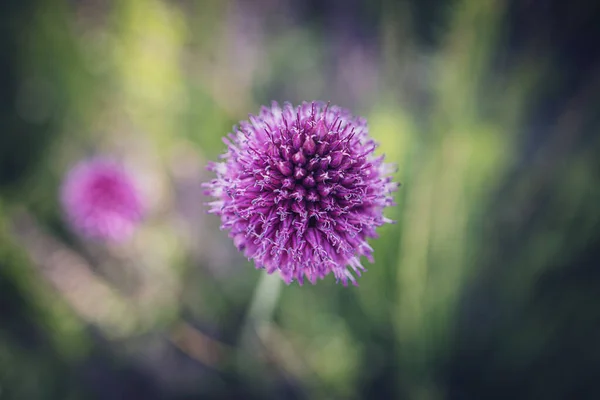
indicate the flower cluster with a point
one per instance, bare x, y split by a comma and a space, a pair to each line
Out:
101, 201
300, 191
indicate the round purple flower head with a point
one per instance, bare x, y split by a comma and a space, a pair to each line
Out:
101, 201
300, 191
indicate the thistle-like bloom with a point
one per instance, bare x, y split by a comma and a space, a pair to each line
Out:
300, 191
101, 201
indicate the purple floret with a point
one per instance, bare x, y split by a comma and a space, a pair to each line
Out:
300, 191
101, 201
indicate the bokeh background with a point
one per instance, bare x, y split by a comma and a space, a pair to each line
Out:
488, 287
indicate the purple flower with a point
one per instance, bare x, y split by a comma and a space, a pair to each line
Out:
300, 191
101, 201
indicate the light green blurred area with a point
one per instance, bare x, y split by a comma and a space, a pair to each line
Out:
160, 83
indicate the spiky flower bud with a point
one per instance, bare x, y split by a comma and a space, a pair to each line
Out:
300, 191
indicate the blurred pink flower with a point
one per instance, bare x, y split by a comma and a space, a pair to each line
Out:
100, 200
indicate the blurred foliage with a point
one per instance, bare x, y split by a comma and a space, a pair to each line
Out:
486, 287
